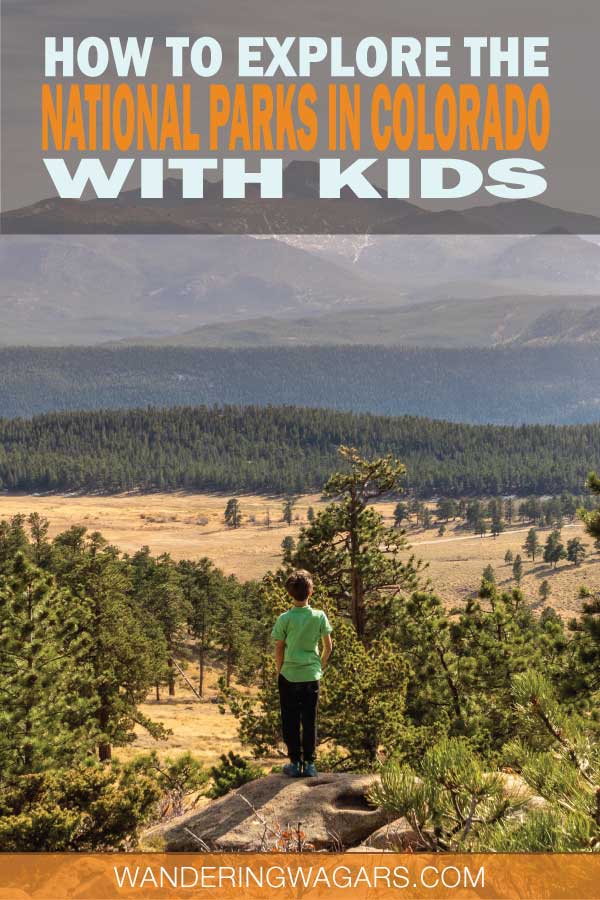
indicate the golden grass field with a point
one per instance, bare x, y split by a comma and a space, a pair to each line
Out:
170, 523
191, 526
198, 727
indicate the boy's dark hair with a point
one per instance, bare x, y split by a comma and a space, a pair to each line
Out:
299, 585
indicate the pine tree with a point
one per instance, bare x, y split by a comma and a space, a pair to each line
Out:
85, 807
591, 519
232, 772
454, 803
508, 557
356, 557
122, 656
532, 544
488, 575
449, 800
576, 551
510, 510
232, 634
554, 549
202, 586
400, 513
544, 590
559, 758
38, 527
494, 639
13, 540
176, 779
517, 568
48, 693
435, 700
415, 508
288, 546
582, 678
497, 526
474, 515
157, 585
552, 512
288, 510
568, 505
233, 513
447, 508
376, 698
585, 675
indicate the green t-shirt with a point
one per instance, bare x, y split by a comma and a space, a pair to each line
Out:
301, 627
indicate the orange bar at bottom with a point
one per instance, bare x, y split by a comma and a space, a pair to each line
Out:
58, 876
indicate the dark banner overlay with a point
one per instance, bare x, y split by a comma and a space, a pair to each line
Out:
283, 117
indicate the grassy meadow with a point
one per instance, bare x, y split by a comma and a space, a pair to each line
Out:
190, 526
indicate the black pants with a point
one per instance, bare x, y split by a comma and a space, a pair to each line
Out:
299, 701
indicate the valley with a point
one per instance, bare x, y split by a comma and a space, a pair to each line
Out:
191, 526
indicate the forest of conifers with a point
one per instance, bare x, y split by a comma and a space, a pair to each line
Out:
505, 385
284, 450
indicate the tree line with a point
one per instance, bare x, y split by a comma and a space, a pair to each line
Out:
493, 515
284, 450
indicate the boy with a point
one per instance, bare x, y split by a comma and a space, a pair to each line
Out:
297, 633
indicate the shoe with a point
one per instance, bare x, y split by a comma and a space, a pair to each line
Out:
293, 770
310, 770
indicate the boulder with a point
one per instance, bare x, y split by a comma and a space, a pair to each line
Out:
332, 811
517, 789
398, 836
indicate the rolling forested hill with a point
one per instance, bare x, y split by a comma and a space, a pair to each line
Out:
504, 385
559, 384
286, 449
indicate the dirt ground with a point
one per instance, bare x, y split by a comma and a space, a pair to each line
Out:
197, 727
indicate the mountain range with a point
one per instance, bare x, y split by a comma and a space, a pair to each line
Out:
245, 291
479, 322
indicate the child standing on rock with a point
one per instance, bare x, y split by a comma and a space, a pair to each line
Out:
297, 633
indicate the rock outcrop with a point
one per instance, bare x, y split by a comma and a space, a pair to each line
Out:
398, 836
517, 789
332, 810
